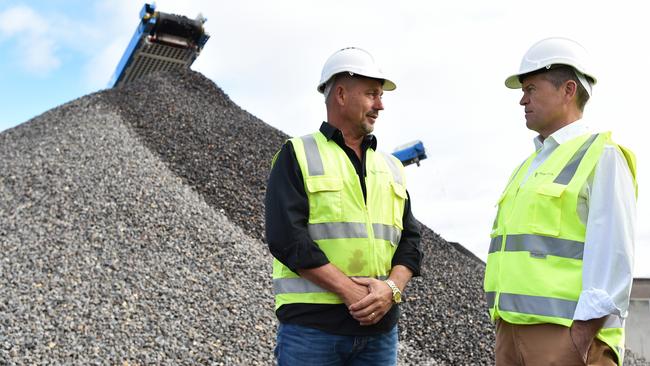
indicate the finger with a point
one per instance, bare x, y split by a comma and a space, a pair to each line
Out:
364, 281
372, 318
363, 303
364, 314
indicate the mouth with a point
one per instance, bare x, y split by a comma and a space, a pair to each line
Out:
373, 116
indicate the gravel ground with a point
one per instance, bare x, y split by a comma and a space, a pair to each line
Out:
132, 228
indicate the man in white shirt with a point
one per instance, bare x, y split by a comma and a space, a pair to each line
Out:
559, 268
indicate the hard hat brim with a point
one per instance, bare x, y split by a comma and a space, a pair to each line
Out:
388, 85
512, 82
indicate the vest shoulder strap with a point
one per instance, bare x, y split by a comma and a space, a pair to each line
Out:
396, 168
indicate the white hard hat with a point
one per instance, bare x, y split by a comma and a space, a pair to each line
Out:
353, 60
555, 51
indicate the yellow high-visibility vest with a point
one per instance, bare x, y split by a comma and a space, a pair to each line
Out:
358, 237
534, 266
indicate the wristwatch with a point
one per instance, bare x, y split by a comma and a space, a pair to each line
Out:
397, 294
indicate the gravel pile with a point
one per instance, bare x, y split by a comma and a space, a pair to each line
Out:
107, 257
131, 232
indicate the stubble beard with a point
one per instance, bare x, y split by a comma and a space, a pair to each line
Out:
367, 128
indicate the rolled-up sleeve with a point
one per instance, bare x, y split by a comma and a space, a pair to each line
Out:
609, 243
287, 214
408, 251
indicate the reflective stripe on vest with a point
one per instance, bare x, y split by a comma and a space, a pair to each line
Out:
314, 162
543, 306
347, 230
537, 305
570, 169
387, 232
539, 246
489, 298
300, 285
337, 230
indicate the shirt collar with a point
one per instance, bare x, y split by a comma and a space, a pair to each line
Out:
564, 134
333, 133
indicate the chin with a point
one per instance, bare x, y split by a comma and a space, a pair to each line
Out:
530, 125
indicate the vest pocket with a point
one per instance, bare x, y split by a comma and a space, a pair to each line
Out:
399, 199
547, 215
325, 198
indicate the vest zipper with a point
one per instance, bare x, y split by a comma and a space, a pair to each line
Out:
371, 232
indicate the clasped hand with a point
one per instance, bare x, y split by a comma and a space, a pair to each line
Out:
378, 301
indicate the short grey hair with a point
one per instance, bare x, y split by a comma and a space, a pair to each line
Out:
328, 87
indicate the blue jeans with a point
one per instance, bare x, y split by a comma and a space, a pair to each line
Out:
298, 345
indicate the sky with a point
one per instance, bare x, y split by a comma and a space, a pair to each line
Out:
448, 59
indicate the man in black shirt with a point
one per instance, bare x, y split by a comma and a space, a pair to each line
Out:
339, 223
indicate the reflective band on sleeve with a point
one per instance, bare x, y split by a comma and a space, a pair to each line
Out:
489, 297
613, 321
300, 285
538, 305
495, 244
397, 176
543, 245
387, 232
570, 169
337, 230
314, 162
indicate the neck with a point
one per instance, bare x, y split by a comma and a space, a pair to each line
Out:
354, 143
569, 119
351, 137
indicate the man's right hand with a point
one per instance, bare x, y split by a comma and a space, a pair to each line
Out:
332, 279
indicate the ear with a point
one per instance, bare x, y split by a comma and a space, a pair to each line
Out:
340, 94
570, 89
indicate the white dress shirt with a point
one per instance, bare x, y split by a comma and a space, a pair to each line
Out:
607, 206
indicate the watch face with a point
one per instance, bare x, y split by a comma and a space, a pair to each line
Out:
397, 297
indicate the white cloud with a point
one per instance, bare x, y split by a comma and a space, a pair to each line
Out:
43, 41
35, 47
40, 54
21, 19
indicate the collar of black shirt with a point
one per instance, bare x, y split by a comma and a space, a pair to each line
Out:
333, 133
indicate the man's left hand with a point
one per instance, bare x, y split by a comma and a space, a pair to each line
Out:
583, 333
372, 308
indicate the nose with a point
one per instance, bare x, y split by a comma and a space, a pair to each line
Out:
523, 100
379, 104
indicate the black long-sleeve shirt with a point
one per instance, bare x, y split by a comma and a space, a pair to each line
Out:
287, 214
